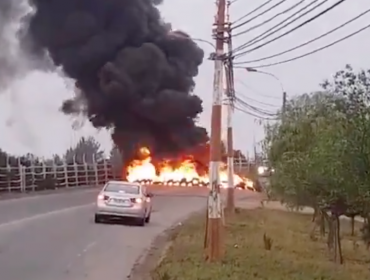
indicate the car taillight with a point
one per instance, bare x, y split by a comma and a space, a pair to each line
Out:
136, 200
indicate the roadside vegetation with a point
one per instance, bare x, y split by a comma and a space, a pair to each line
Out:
264, 244
320, 151
321, 155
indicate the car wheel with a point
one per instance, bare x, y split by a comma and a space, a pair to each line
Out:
97, 219
141, 222
147, 219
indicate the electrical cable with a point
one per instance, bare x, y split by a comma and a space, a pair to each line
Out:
254, 115
253, 108
256, 101
308, 42
314, 51
256, 91
295, 28
251, 12
268, 20
245, 107
257, 16
271, 30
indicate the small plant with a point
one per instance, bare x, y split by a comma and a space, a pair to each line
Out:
267, 242
163, 276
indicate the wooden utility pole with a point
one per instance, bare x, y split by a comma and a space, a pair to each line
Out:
214, 230
230, 98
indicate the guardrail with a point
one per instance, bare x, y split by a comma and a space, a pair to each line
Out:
37, 176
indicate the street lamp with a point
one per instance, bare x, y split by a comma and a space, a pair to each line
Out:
212, 56
250, 69
203, 41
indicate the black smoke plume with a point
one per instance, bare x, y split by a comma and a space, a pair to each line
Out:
135, 75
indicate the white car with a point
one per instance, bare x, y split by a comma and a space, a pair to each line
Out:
119, 199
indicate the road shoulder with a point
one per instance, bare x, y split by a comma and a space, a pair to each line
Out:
152, 256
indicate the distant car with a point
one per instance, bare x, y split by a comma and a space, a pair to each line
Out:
119, 199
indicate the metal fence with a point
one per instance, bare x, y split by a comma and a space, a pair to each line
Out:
244, 166
36, 175
46, 175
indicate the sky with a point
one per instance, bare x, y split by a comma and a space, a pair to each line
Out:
25, 121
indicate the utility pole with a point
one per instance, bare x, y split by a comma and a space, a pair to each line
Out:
284, 106
213, 242
256, 158
230, 98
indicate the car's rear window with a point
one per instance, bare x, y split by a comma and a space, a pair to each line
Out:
124, 188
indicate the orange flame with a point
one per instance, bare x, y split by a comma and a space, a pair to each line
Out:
184, 175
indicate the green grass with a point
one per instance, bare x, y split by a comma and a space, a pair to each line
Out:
293, 255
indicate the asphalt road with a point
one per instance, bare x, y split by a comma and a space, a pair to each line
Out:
53, 236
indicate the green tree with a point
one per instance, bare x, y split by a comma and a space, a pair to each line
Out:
86, 150
321, 151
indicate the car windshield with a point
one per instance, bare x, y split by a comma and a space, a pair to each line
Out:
122, 188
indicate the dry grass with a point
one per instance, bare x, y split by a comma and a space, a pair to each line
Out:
293, 254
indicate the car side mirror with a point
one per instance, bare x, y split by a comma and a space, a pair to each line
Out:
149, 195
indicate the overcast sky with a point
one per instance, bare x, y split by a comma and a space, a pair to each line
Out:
31, 122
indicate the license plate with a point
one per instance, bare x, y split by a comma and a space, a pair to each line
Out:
120, 202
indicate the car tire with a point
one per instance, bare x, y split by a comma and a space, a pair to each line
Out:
97, 219
147, 219
141, 222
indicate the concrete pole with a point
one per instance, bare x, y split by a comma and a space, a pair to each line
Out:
214, 231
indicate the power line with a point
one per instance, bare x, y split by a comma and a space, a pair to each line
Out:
257, 16
253, 108
253, 115
251, 12
310, 41
256, 101
314, 51
257, 91
270, 19
271, 30
293, 29
250, 113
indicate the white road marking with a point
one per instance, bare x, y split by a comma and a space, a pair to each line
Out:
87, 248
83, 252
43, 215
